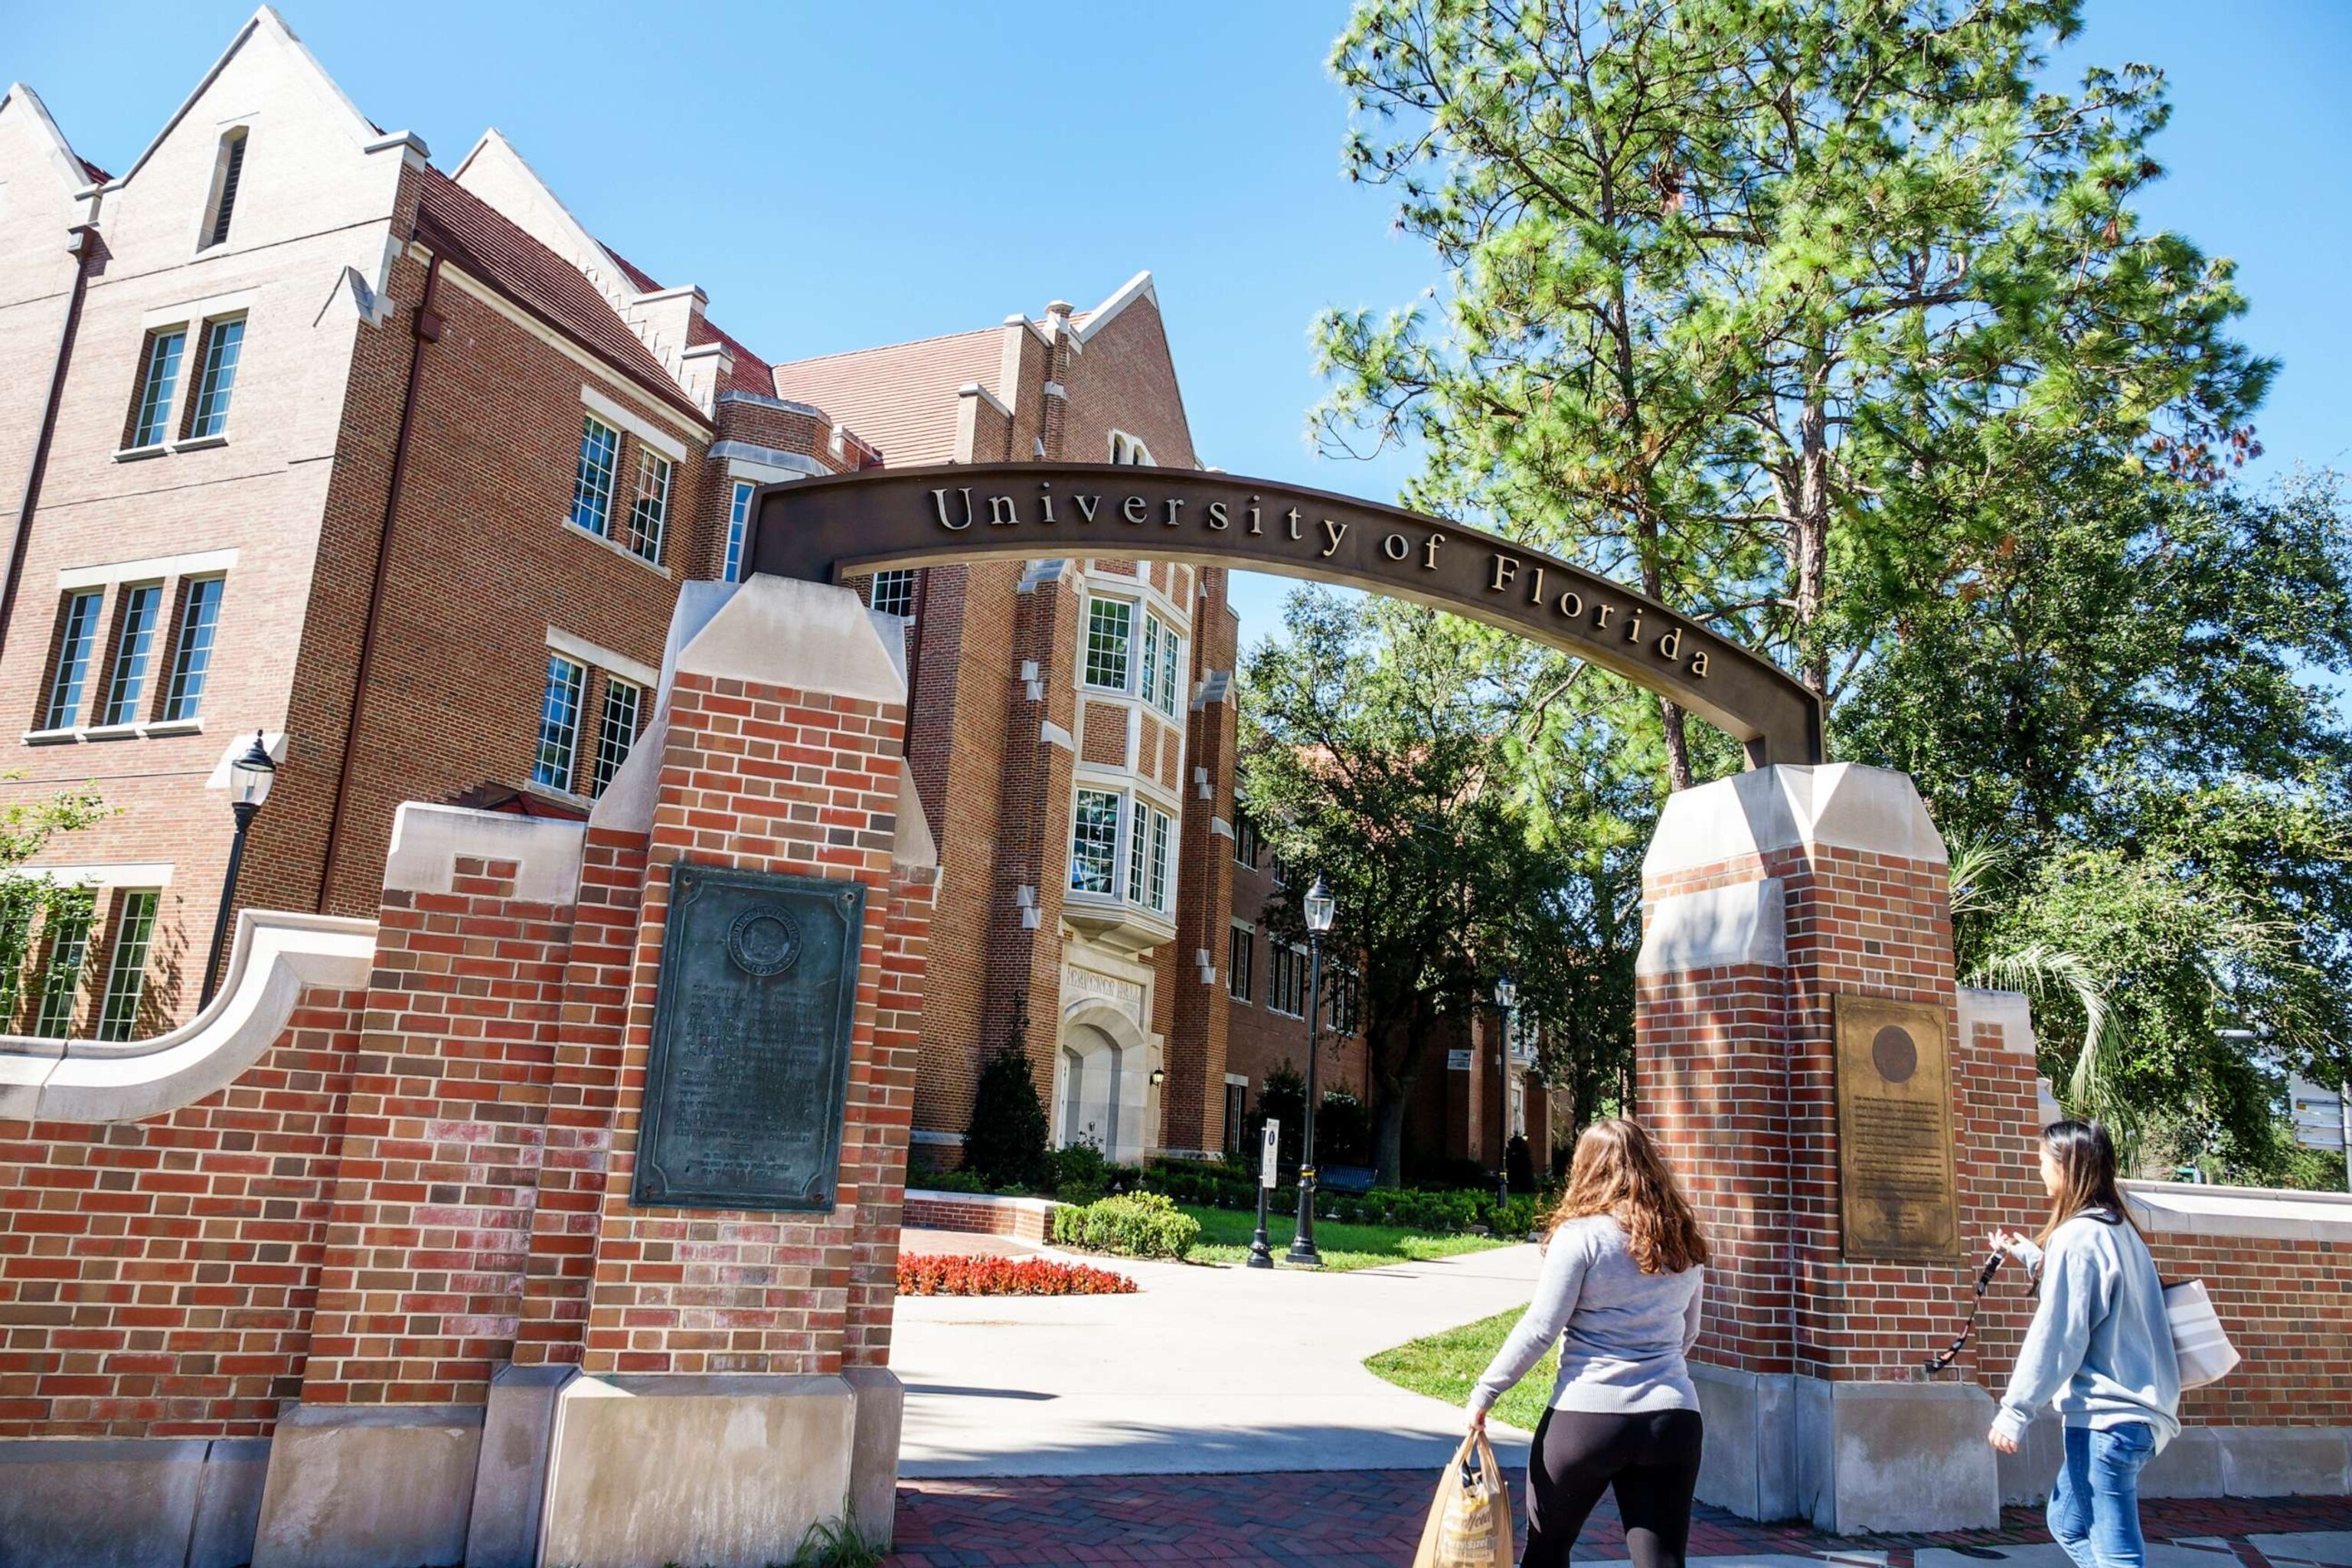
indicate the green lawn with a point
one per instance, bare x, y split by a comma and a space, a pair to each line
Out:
1225, 1238
1446, 1366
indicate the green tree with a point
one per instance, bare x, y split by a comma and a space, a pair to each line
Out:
31, 903
1741, 293
1006, 1143
1374, 756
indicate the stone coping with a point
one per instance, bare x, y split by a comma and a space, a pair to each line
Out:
2189, 1209
985, 1200
276, 957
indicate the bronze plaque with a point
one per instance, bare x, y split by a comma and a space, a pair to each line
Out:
1897, 1190
748, 1076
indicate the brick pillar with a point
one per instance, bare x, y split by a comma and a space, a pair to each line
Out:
1765, 898
730, 1389
422, 1281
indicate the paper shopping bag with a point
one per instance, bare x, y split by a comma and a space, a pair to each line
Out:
1470, 1519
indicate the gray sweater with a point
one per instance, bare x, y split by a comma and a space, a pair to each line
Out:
1622, 1334
2100, 1351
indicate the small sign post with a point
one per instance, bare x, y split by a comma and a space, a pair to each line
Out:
1269, 1151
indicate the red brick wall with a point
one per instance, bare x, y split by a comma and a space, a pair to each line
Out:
432, 1221
157, 1278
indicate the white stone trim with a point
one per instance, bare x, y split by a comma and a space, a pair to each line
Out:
770, 464
1139, 286
612, 413
194, 311
2012, 1010
198, 563
274, 958
943, 1140
1745, 922
586, 652
426, 841
1843, 804
1052, 734
973, 389
1237, 1080
107, 874
911, 846
2181, 1209
784, 404
811, 636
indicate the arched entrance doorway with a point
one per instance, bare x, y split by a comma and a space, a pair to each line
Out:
1102, 1082
1788, 913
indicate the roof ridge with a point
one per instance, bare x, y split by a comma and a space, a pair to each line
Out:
879, 348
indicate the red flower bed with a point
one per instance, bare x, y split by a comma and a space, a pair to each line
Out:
934, 1273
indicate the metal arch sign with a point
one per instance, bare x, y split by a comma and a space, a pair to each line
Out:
825, 530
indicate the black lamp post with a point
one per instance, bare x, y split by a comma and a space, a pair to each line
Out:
1506, 996
1319, 908
249, 778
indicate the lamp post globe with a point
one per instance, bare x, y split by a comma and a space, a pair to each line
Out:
1318, 907
250, 776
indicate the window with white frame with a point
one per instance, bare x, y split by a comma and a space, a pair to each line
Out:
649, 506
228, 173
1240, 960
217, 354
1163, 652
134, 643
158, 379
68, 951
739, 524
126, 970
1129, 449
556, 765
1248, 843
1094, 842
894, 593
616, 729
591, 487
1344, 995
1110, 637
192, 649
1285, 990
1147, 857
76, 645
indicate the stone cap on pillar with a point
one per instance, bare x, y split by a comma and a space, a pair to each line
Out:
1843, 804
774, 631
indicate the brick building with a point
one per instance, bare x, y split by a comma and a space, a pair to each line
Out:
402, 470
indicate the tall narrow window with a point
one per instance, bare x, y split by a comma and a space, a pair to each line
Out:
591, 489
159, 378
69, 950
77, 640
1127, 449
231, 174
1111, 631
1150, 680
192, 650
1247, 843
1162, 649
894, 593
134, 643
559, 724
739, 524
126, 972
1286, 980
1241, 959
1139, 850
616, 729
1094, 842
649, 508
215, 376
1161, 884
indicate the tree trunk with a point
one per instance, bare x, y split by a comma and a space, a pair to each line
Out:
1387, 1136
1678, 763
1809, 530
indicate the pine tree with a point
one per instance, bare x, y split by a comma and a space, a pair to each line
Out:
1005, 1144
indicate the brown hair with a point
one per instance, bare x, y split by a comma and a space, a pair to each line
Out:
1619, 1172
2085, 1158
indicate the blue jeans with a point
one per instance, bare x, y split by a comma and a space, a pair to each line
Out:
2095, 1504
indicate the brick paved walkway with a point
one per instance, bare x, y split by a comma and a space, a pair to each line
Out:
1360, 1519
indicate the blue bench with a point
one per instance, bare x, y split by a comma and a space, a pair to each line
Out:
1353, 1180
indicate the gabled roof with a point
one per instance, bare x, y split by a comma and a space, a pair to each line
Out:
900, 398
73, 171
363, 131
487, 244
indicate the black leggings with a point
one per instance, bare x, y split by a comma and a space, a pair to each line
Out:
1650, 1460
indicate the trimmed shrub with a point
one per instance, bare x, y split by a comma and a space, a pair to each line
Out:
1005, 1144
940, 1274
1080, 1174
1140, 1225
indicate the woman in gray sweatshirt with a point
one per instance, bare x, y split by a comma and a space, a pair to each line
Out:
2100, 1351
1619, 1293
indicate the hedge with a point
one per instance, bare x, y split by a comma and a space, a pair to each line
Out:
1442, 1212
1143, 1224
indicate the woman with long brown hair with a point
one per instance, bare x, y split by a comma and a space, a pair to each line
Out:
2100, 1351
1619, 1293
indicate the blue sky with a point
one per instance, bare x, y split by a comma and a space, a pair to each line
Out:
836, 175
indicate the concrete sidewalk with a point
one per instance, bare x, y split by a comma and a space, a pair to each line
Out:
1204, 1370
